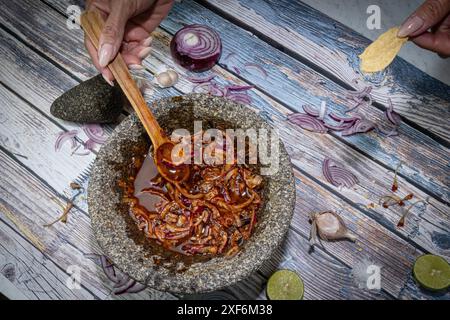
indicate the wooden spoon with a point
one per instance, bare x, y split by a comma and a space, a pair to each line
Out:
92, 23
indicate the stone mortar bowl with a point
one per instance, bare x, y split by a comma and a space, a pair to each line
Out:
128, 248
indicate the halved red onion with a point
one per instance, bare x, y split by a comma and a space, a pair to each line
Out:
307, 122
360, 126
391, 115
337, 175
66, 136
256, 67
196, 47
310, 110
95, 133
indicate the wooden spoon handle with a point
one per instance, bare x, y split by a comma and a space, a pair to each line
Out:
92, 23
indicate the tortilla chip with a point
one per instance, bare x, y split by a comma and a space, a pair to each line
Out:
380, 53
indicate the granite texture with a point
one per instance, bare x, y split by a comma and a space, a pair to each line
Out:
117, 235
92, 101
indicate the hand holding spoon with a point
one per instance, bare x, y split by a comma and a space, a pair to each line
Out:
92, 23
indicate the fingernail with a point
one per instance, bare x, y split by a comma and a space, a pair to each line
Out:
108, 81
144, 52
135, 67
410, 26
105, 54
147, 42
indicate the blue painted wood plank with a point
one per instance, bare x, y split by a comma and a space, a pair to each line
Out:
294, 84
329, 45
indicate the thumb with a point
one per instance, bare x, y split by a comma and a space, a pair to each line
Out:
112, 34
426, 16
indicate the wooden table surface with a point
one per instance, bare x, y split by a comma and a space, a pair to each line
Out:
308, 58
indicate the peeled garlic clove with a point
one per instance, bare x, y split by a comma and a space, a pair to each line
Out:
166, 79
173, 76
330, 226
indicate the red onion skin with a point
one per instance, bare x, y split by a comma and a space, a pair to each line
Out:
310, 110
190, 63
360, 126
335, 117
307, 122
338, 176
250, 65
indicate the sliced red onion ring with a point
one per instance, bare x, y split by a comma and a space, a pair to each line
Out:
90, 145
66, 136
201, 80
307, 122
108, 269
359, 93
229, 56
360, 126
201, 88
393, 132
339, 127
257, 67
239, 98
95, 133
196, 47
137, 287
124, 287
239, 88
338, 176
337, 118
310, 110
391, 115
215, 90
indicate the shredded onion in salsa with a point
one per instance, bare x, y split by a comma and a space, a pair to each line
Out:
211, 213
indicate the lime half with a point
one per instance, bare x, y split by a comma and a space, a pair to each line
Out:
285, 285
432, 272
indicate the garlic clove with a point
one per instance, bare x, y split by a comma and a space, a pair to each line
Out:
173, 76
166, 79
329, 226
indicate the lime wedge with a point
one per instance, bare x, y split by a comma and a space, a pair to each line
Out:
285, 285
432, 272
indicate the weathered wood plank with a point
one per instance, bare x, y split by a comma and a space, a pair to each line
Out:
31, 272
424, 160
309, 201
412, 291
26, 132
28, 204
437, 216
334, 48
8, 289
84, 229
308, 151
294, 84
